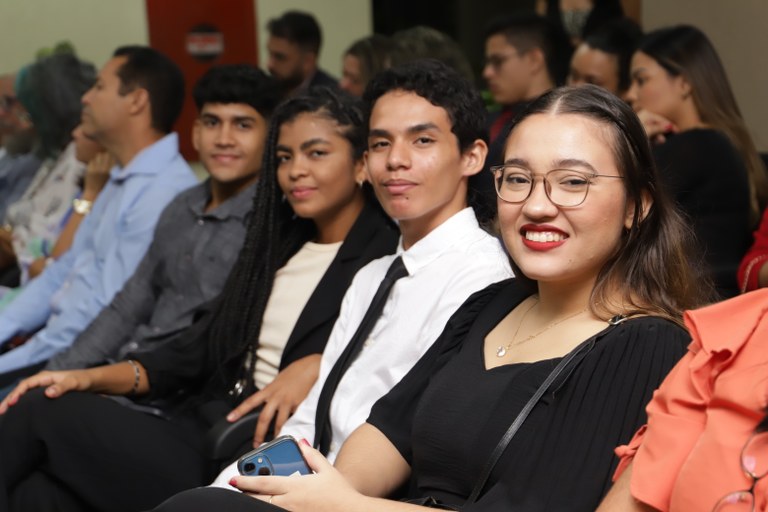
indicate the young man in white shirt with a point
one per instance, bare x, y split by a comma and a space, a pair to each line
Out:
426, 137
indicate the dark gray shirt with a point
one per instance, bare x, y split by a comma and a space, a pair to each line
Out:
187, 264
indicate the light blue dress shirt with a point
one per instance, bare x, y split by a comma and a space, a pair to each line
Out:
106, 250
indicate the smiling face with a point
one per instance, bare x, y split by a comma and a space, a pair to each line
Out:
414, 163
564, 245
317, 172
229, 138
655, 89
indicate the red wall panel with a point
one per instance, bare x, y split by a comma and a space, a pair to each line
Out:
197, 34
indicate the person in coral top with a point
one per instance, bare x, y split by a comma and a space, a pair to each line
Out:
689, 455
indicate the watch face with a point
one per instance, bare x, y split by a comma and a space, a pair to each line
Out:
81, 206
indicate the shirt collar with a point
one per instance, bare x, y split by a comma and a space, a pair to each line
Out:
151, 160
456, 230
237, 206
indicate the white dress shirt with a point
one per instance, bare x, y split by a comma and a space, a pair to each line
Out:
453, 261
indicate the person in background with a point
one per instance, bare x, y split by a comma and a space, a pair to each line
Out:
98, 164
40, 251
130, 111
362, 60
753, 271
422, 42
50, 91
710, 165
18, 162
293, 47
579, 18
605, 55
525, 56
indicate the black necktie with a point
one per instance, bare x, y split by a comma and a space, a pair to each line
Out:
322, 415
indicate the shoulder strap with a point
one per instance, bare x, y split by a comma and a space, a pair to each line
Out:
526, 410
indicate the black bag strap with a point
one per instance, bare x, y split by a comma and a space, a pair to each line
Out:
526, 410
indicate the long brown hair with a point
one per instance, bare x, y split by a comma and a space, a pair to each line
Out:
686, 51
655, 271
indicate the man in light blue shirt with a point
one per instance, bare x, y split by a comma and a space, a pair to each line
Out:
130, 110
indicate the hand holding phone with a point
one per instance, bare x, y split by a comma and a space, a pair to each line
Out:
280, 457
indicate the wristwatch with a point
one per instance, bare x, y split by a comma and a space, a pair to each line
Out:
82, 206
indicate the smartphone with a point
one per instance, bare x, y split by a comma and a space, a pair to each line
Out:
280, 457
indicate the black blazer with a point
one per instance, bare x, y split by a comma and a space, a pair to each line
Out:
371, 237
183, 362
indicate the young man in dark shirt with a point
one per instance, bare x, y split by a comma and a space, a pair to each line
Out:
200, 233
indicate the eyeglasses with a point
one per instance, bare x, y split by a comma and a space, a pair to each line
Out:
496, 61
564, 187
754, 463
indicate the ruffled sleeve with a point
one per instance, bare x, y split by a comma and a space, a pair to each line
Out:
677, 414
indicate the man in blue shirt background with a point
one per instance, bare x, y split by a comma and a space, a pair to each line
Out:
130, 111
200, 233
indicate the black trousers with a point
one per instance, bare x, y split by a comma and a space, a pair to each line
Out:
85, 452
208, 499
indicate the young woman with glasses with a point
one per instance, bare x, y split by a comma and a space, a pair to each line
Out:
601, 257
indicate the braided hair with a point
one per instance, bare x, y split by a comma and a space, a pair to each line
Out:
273, 236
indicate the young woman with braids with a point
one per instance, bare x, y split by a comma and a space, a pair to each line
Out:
82, 450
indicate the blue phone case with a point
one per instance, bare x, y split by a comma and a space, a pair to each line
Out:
280, 457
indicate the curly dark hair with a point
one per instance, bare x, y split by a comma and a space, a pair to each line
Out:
238, 83
442, 86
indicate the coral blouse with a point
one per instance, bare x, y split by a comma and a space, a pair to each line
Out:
688, 455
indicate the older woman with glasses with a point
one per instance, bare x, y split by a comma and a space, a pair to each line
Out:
699, 450
602, 279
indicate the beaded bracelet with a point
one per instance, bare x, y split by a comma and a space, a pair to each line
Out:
136, 376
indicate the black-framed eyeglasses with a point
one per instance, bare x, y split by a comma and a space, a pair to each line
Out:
564, 187
754, 463
496, 61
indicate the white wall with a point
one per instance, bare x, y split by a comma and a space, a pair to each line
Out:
97, 27
342, 22
94, 27
737, 28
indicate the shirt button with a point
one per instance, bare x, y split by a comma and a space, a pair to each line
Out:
200, 222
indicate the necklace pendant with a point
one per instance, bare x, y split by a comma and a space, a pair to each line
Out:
501, 352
